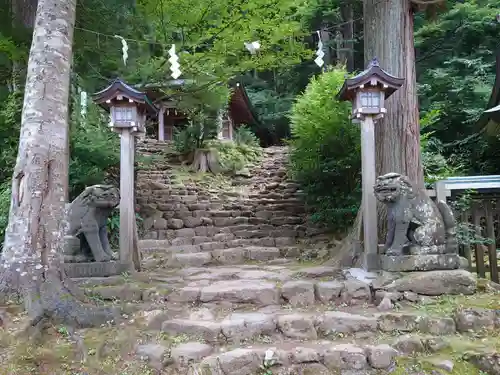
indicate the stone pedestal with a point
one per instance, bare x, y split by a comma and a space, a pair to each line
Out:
72, 252
95, 269
425, 262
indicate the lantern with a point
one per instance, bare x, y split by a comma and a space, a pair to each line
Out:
128, 107
368, 90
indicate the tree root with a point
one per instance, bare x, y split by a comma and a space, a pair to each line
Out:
206, 160
348, 253
57, 301
9, 285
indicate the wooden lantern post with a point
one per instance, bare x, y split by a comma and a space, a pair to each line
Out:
128, 110
367, 92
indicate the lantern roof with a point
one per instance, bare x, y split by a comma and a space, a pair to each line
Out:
372, 72
118, 87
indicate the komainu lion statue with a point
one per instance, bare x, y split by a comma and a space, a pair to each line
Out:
87, 217
416, 225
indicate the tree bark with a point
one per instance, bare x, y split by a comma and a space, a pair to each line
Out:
34, 235
388, 30
206, 160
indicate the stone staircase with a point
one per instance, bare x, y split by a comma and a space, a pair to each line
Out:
310, 319
225, 291
189, 219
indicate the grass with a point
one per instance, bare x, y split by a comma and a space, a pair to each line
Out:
429, 364
445, 305
104, 351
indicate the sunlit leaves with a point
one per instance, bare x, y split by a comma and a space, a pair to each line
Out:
212, 34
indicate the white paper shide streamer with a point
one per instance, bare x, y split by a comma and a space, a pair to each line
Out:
319, 53
252, 47
124, 49
174, 63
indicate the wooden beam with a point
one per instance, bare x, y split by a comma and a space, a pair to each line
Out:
127, 201
161, 124
368, 176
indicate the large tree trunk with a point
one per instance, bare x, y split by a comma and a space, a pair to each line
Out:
388, 30
34, 236
388, 35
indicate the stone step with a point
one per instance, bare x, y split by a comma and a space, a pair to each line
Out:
193, 245
320, 359
188, 235
412, 356
209, 242
276, 273
251, 284
282, 325
231, 256
256, 287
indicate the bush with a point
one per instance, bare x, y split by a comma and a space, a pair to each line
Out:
244, 136
235, 157
94, 148
325, 151
195, 134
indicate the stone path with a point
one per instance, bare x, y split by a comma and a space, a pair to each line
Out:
221, 318
225, 286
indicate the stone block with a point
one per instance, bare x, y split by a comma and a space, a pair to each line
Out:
335, 322
185, 354
155, 354
474, 319
435, 283
191, 222
175, 223
298, 292
428, 262
208, 331
241, 291
94, 269
297, 326
229, 256
345, 357
241, 326
328, 291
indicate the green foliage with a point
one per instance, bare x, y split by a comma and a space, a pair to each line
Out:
203, 105
4, 210
113, 227
234, 157
211, 36
244, 136
10, 119
195, 134
436, 165
95, 149
326, 156
456, 64
467, 234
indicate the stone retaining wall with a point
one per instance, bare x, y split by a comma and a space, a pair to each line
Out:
268, 206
